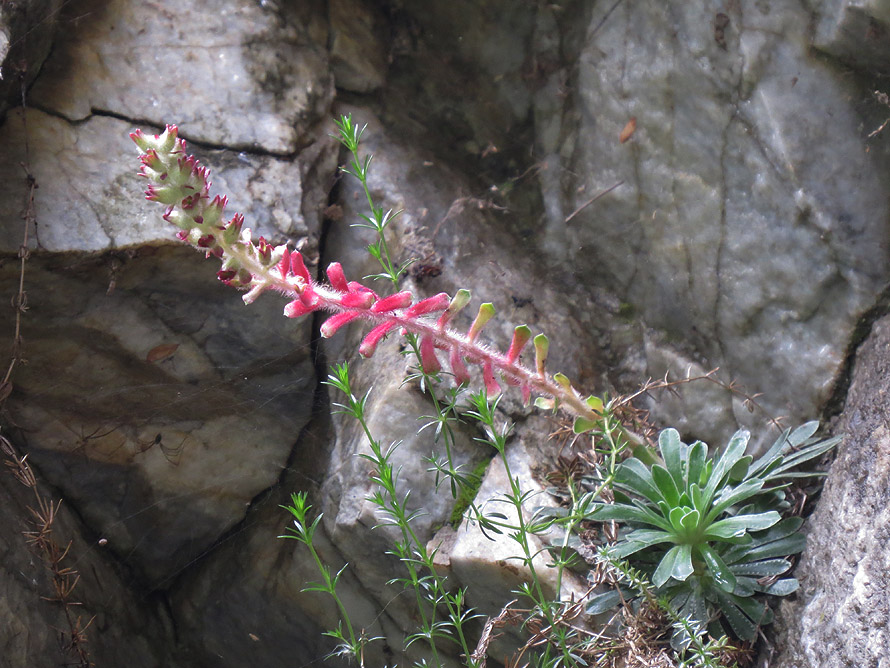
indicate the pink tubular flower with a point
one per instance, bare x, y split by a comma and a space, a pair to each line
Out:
397, 301
491, 385
369, 343
337, 277
357, 300
432, 304
428, 356
335, 322
455, 359
296, 308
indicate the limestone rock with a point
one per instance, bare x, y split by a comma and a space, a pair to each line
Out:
856, 31
358, 56
27, 29
840, 616
89, 191
736, 219
252, 75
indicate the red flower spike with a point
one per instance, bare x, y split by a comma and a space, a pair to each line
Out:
455, 359
491, 385
428, 356
182, 184
437, 302
335, 322
298, 267
393, 302
296, 308
336, 277
521, 335
357, 300
375, 336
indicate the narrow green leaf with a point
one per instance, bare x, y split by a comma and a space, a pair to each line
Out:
731, 496
741, 625
606, 601
683, 563
666, 485
637, 477
759, 569
803, 433
770, 456
649, 536
663, 573
736, 526
695, 496
723, 577
734, 451
793, 460
625, 513
740, 469
673, 452
745, 586
782, 587
698, 453
780, 548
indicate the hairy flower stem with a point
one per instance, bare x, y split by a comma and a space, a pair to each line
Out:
181, 183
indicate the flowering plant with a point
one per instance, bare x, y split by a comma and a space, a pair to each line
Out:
707, 532
182, 184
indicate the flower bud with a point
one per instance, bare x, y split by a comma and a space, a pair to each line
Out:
486, 313
393, 302
491, 385
455, 359
429, 305
369, 343
336, 277
428, 358
521, 335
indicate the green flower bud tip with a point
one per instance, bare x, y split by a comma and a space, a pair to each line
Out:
542, 346
521, 335
461, 299
486, 313
563, 381
595, 403
582, 425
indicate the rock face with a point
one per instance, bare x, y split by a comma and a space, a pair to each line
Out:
840, 617
747, 229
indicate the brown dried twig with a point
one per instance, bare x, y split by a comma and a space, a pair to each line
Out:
40, 538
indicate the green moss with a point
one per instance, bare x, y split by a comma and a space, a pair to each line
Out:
467, 494
626, 310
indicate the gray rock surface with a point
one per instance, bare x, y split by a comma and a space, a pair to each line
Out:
250, 75
27, 28
840, 616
